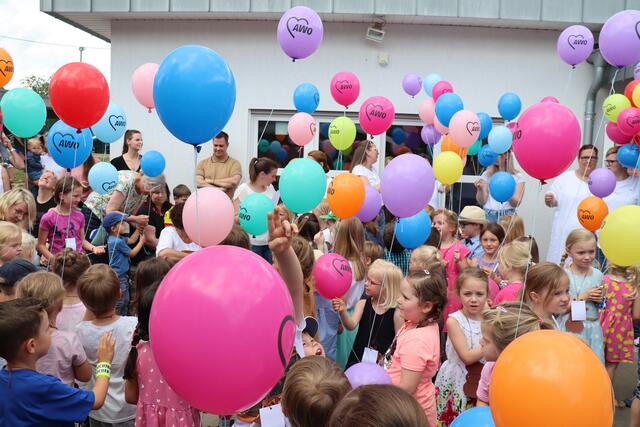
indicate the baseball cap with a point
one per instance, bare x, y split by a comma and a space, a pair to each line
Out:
15, 270
112, 218
311, 326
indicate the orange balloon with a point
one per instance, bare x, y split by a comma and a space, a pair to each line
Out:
449, 145
550, 378
345, 195
6, 67
591, 212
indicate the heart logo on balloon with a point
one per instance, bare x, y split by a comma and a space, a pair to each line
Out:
576, 40
8, 66
473, 127
609, 108
586, 214
116, 121
333, 130
298, 28
65, 140
281, 351
312, 128
637, 32
108, 186
374, 110
316, 98
341, 85
633, 121
340, 265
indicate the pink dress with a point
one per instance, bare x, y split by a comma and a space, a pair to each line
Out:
158, 405
510, 292
448, 255
485, 380
616, 321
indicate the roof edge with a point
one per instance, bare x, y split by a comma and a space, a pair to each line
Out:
77, 25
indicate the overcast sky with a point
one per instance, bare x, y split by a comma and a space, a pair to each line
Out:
23, 19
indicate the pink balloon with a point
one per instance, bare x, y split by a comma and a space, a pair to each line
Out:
214, 217
441, 87
464, 128
550, 99
302, 128
616, 135
549, 140
440, 127
142, 84
228, 312
427, 111
376, 115
332, 274
345, 88
629, 121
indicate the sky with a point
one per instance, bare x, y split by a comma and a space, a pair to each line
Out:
23, 20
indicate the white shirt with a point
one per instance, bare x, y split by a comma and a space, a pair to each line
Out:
243, 191
49, 164
491, 203
360, 170
169, 239
626, 193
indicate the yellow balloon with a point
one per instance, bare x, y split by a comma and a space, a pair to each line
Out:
613, 106
342, 132
620, 234
447, 167
635, 95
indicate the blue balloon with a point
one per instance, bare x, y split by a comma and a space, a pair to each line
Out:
480, 416
153, 163
628, 155
68, 147
194, 93
413, 231
103, 177
398, 135
500, 139
275, 147
112, 125
502, 186
486, 156
324, 129
430, 81
306, 98
282, 155
485, 125
446, 106
509, 106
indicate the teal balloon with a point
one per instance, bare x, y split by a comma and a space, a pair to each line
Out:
302, 185
252, 213
263, 146
23, 111
474, 148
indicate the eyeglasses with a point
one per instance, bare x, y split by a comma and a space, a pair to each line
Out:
610, 162
589, 158
371, 282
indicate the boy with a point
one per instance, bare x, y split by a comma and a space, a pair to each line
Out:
471, 220
35, 149
10, 275
180, 195
310, 346
33, 399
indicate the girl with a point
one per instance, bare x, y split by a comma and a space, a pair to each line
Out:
70, 265
513, 226
491, 238
304, 252
458, 377
10, 241
148, 272
157, 404
492, 208
547, 291
585, 289
375, 313
372, 252
513, 260
425, 258
414, 356
130, 159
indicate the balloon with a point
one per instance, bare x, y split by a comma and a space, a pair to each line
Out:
282, 154
602, 182
446, 106
407, 185
591, 212
443, 130
194, 109
342, 132
202, 314
485, 125
79, 94
549, 140
575, 44
263, 146
486, 156
376, 115
302, 128
6, 68
365, 373
475, 148
398, 135
509, 106
502, 186
300, 32
429, 82
440, 89
142, 84
550, 99
371, 206
628, 91
635, 95
629, 121
430, 135
24, 112
618, 39
535, 364
449, 145
636, 71
413, 231
103, 177
275, 147
620, 234
152, 163
345, 88
628, 155
345, 195
464, 128
306, 98
68, 147
613, 106
302, 185
252, 213
480, 416
412, 84
112, 125
447, 167
332, 274
500, 139
213, 219
427, 111
616, 135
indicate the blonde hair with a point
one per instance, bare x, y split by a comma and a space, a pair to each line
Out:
631, 274
450, 217
99, 289
471, 273
28, 246
544, 277
9, 232
391, 280
18, 195
322, 208
510, 166
579, 235
511, 320
515, 256
350, 244
425, 257
513, 227
44, 286
304, 252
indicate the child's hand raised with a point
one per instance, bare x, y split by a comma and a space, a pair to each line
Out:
338, 305
280, 232
106, 347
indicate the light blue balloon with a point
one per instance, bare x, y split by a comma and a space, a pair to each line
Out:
302, 185
103, 177
480, 416
153, 163
486, 156
23, 111
413, 231
306, 98
485, 125
500, 139
68, 147
446, 106
112, 125
502, 186
628, 155
509, 106
430, 81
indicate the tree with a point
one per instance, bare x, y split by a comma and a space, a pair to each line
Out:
38, 84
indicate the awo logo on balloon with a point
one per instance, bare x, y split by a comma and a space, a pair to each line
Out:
636, 27
341, 266
473, 127
64, 140
312, 128
341, 85
316, 98
586, 215
608, 108
374, 110
6, 66
576, 40
116, 121
333, 130
295, 25
633, 121
108, 186
243, 214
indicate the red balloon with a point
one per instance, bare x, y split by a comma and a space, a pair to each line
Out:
628, 90
79, 94
616, 135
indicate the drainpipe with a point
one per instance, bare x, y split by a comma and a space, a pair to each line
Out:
590, 105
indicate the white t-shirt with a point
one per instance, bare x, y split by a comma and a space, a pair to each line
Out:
49, 164
626, 193
355, 291
169, 239
435, 200
494, 205
360, 170
243, 191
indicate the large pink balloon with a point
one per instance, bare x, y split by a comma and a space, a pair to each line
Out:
222, 329
549, 140
464, 128
440, 88
427, 111
302, 128
376, 115
616, 135
332, 275
439, 126
345, 88
142, 84
629, 121
212, 221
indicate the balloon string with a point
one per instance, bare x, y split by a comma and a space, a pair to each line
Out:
568, 83
126, 201
195, 183
55, 228
263, 130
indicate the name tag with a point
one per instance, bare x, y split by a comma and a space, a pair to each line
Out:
272, 416
370, 355
578, 310
70, 243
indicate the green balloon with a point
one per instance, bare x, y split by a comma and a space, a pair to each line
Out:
23, 112
302, 185
342, 132
474, 148
253, 213
263, 146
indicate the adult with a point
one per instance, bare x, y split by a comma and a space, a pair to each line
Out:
130, 158
364, 157
10, 154
174, 243
44, 199
626, 191
565, 194
156, 207
492, 208
220, 170
19, 207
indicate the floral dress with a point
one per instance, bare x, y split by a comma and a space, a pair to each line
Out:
616, 321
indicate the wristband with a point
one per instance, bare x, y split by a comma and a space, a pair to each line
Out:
103, 369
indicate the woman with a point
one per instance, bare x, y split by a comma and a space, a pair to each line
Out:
156, 208
626, 191
262, 174
19, 207
364, 157
44, 199
321, 158
565, 194
130, 159
174, 243
492, 208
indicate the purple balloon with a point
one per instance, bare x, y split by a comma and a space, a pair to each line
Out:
602, 182
619, 38
371, 206
636, 72
430, 135
413, 140
300, 32
407, 185
365, 373
412, 84
575, 44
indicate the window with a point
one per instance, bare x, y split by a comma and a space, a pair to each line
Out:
402, 139
275, 143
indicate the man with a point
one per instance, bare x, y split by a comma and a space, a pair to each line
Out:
219, 170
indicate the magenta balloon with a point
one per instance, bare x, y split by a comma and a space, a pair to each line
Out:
430, 135
550, 99
365, 373
332, 275
616, 135
236, 326
602, 182
549, 140
629, 121
407, 185
376, 115
575, 44
441, 87
619, 39
345, 88
300, 32
371, 206
412, 84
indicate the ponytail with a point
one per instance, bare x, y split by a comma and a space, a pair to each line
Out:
258, 165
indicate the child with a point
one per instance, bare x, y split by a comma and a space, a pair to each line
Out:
10, 275
28, 248
31, 398
66, 358
237, 237
372, 252
458, 377
99, 290
393, 250
513, 226
120, 253
513, 259
328, 221
157, 403
547, 291
425, 258
70, 265
180, 195
304, 252
375, 313
472, 219
585, 288
10, 241
414, 357
312, 347
147, 273
35, 150
491, 238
